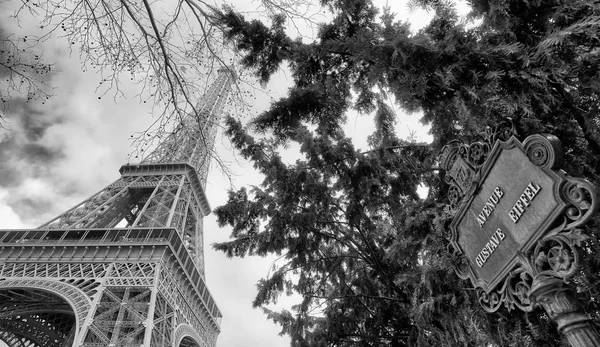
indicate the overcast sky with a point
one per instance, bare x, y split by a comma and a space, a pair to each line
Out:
56, 154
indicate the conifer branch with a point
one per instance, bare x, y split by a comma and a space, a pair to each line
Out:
336, 297
590, 131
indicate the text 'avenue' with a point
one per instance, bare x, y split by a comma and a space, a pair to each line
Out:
489, 206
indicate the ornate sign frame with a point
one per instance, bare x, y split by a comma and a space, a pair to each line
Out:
517, 215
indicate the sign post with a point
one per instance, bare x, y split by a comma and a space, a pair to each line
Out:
516, 227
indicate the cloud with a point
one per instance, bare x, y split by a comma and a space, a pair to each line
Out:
8, 217
56, 152
29, 156
34, 121
24, 153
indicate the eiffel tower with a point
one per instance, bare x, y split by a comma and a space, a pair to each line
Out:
125, 267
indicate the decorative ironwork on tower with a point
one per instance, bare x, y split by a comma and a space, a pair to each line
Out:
126, 266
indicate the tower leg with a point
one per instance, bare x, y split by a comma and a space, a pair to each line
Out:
563, 307
152, 308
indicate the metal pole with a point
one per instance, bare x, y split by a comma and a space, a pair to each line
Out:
562, 306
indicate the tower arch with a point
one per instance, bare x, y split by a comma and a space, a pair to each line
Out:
38, 312
188, 342
186, 336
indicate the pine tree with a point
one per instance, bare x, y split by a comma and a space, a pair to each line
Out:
367, 255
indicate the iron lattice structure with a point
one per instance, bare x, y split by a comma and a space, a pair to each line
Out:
124, 267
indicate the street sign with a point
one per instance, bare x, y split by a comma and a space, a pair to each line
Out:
515, 201
516, 215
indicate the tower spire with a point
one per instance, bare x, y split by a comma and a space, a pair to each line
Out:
124, 267
193, 139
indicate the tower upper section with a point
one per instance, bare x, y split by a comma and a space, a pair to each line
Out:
165, 190
192, 140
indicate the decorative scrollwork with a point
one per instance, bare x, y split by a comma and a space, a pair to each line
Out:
544, 150
490, 302
503, 131
454, 197
448, 157
513, 293
538, 154
554, 256
517, 287
557, 255
463, 161
478, 151
581, 196
460, 263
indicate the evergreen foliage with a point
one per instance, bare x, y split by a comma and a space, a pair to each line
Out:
366, 254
